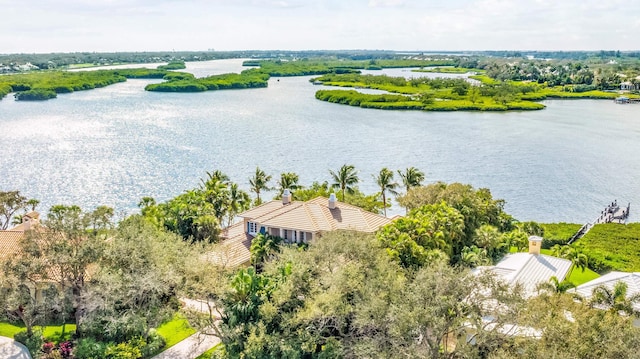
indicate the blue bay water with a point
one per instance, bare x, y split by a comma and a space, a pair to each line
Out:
117, 144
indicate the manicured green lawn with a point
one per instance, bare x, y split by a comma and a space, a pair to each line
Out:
207, 354
578, 277
9, 330
173, 331
52, 332
176, 330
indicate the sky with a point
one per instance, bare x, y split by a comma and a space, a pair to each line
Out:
42, 26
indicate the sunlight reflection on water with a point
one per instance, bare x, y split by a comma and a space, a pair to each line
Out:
117, 144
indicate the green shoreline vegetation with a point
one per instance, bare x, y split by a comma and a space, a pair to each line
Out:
251, 78
544, 90
449, 70
173, 65
426, 94
45, 85
500, 86
306, 67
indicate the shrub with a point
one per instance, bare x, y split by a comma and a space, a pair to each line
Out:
525, 105
558, 233
154, 344
89, 348
65, 348
175, 76
20, 87
613, 246
63, 89
173, 65
48, 347
34, 343
4, 90
123, 351
35, 95
54, 355
177, 86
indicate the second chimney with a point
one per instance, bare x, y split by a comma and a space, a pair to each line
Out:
286, 196
332, 201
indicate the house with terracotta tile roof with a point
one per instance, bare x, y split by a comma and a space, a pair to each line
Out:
295, 222
10, 238
10, 247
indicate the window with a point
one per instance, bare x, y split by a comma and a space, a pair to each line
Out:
252, 227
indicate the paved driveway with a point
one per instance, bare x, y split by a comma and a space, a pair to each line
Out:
190, 348
10, 349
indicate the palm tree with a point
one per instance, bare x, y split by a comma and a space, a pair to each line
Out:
213, 178
146, 202
345, 179
259, 182
33, 203
263, 247
474, 256
615, 299
288, 180
385, 183
411, 177
574, 254
238, 201
215, 191
556, 286
559, 251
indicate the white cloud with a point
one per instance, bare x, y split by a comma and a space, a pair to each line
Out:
386, 3
129, 25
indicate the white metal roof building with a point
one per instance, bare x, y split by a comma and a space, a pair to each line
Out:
609, 280
529, 269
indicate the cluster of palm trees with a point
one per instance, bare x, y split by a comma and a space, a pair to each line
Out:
259, 182
573, 253
614, 299
345, 180
227, 198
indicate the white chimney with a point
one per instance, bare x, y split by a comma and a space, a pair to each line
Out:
535, 243
332, 201
286, 196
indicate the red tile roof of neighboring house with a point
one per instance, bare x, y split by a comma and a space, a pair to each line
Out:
10, 243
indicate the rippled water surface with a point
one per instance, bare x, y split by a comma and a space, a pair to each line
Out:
117, 144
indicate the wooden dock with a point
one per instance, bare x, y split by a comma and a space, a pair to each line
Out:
612, 213
625, 100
